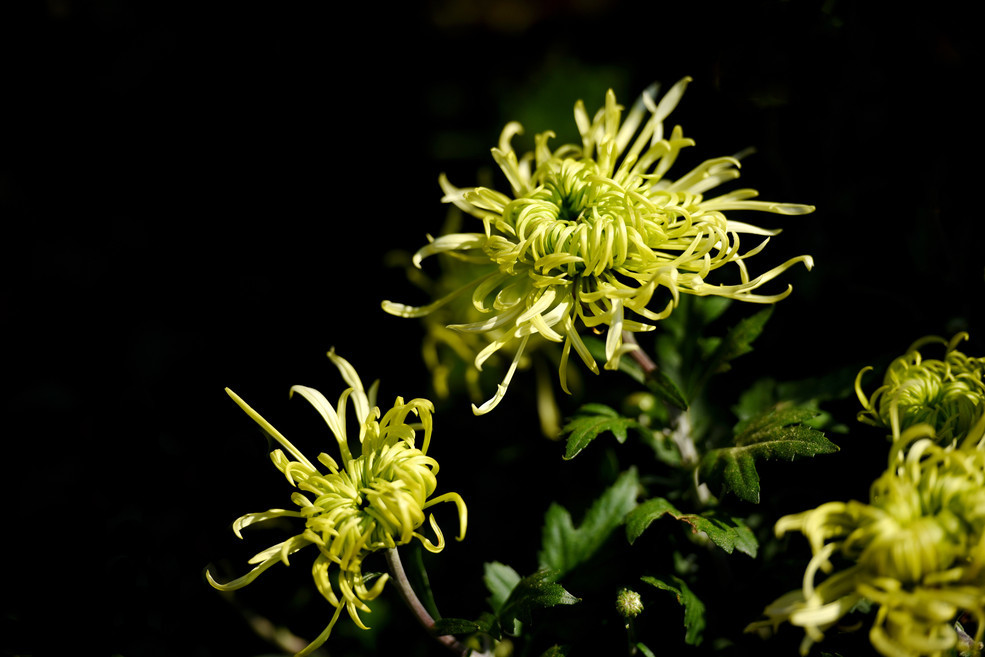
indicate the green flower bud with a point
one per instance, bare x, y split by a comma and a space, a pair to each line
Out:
628, 603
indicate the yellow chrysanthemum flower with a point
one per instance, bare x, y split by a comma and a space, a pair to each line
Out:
593, 230
948, 394
373, 501
448, 353
917, 551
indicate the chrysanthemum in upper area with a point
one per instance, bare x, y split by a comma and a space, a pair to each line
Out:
916, 551
948, 394
370, 502
594, 230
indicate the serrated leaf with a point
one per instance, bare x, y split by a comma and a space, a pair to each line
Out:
727, 532
739, 339
736, 342
776, 434
592, 420
694, 609
564, 547
763, 426
500, 579
537, 591
806, 393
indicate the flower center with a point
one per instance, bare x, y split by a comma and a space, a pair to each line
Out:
570, 224
568, 194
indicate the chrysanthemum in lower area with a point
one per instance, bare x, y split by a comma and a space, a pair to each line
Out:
916, 551
594, 231
364, 503
948, 394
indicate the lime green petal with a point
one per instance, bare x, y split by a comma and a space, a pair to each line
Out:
323, 637
667, 104
266, 426
274, 554
328, 414
463, 514
827, 614
401, 310
501, 388
251, 518
580, 348
240, 582
613, 339
749, 229
454, 242
428, 545
494, 322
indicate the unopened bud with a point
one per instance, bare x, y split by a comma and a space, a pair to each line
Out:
628, 603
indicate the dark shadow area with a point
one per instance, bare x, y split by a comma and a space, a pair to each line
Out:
201, 195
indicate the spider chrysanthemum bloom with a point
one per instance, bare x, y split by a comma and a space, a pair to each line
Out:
361, 504
916, 551
948, 394
592, 231
448, 353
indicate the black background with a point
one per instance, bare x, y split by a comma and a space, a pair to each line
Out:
199, 195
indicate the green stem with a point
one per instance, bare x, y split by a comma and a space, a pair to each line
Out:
631, 637
680, 422
399, 578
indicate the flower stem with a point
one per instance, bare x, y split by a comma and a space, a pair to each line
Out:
399, 578
641, 357
680, 422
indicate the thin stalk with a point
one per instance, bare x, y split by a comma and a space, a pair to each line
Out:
399, 578
641, 357
680, 423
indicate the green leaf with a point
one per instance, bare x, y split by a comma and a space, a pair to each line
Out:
500, 579
485, 625
656, 380
736, 342
537, 591
807, 393
777, 434
592, 420
664, 387
694, 609
564, 547
643, 649
555, 651
725, 531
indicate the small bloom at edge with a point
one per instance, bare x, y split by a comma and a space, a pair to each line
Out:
916, 550
948, 394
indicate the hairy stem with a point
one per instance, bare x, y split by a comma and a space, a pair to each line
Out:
399, 578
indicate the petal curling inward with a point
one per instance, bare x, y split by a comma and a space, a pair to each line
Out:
363, 504
916, 550
588, 232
